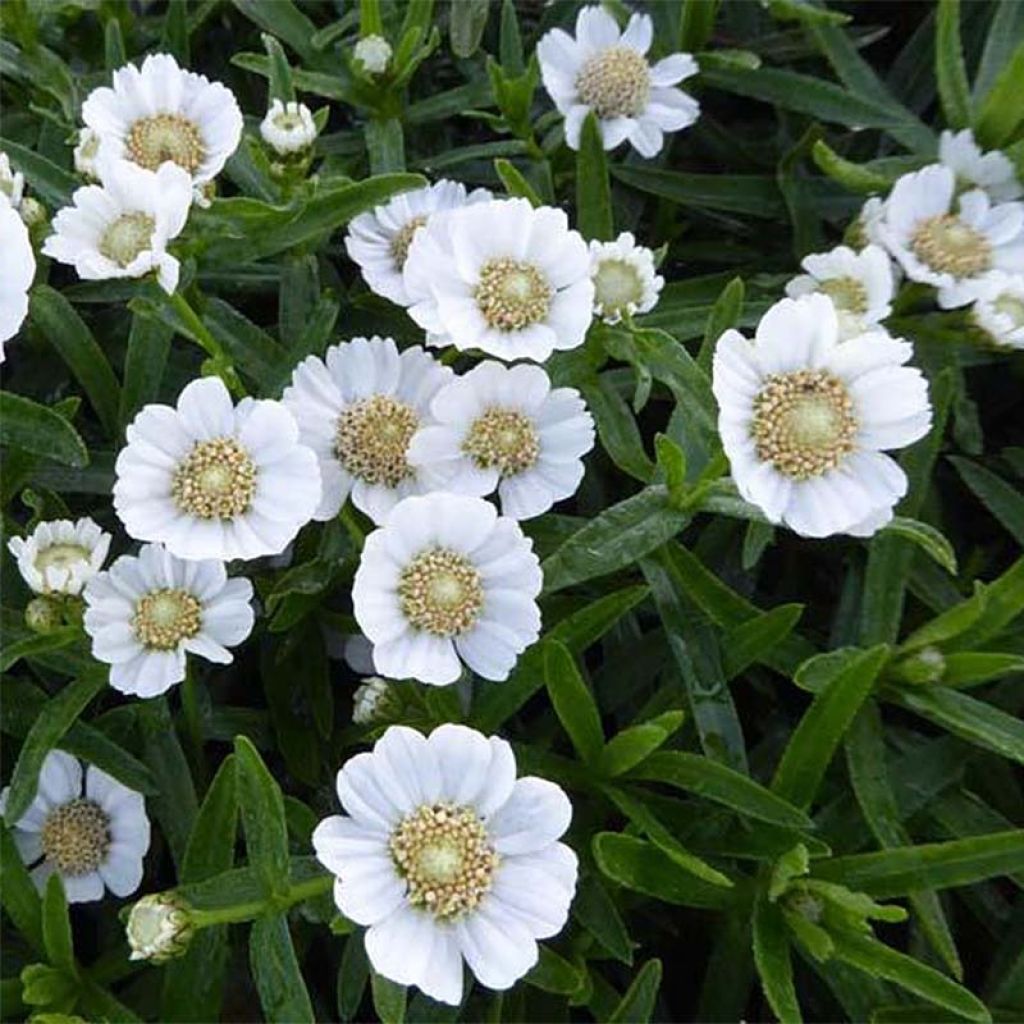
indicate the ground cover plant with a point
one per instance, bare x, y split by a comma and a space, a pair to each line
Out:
512, 511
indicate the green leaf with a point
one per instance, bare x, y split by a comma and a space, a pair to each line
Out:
970, 668
18, 894
948, 624
266, 830
275, 969
931, 541
34, 428
1003, 602
950, 71
617, 429
1005, 33
724, 314
752, 641
385, 144
753, 195
60, 946
1004, 502
284, 20
466, 25
585, 627
696, 24
573, 702
852, 176
636, 742
50, 182
388, 999
593, 192
554, 974
515, 183
149, 344
34, 644
638, 1002
772, 957
280, 86
594, 908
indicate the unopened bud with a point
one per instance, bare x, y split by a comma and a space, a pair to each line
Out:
43, 615
923, 667
159, 927
374, 53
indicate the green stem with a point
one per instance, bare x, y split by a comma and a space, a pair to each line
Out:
194, 725
219, 362
297, 893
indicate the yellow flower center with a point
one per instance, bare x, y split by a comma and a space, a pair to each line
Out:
76, 837
949, 246
615, 82
61, 556
504, 439
372, 439
403, 239
154, 140
126, 237
163, 618
512, 294
847, 293
617, 286
441, 592
216, 480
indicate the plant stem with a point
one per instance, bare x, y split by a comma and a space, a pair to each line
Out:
297, 893
194, 725
219, 361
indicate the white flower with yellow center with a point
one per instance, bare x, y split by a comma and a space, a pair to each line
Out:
373, 53
502, 277
94, 837
379, 239
358, 409
805, 418
607, 71
60, 556
288, 127
993, 171
999, 309
12, 183
87, 149
625, 280
447, 857
121, 228
162, 113
947, 242
860, 285
146, 613
504, 428
17, 270
213, 480
445, 577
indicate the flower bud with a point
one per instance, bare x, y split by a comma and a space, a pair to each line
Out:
288, 128
86, 152
374, 53
373, 701
32, 212
43, 615
923, 667
159, 927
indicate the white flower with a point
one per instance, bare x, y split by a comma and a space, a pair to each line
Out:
949, 248
59, 556
165, 113
86, 151
607, 71
17, 269
502, 277
146, 613
860, 285
12, 183
374, 53
446, 577
358, 411
504, 428
158, 928
379, 239
369, 700
92, 839
121, 228
212, 480
446, 856
994, 171
999, 309
805, 418
625, 281
288, 127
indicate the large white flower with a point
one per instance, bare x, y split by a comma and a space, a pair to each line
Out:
93, 839
607, 71
121, 228
445, 577
358, 411
17, 269
994, 171
447, 857
146, 613
379, 239
999, 309
625, 281
163, 112
502, 277
504, 428
860, 285
288, 127
60, 556
948, 243
213, 480
805, 418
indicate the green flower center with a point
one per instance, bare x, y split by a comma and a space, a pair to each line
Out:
76, 837
847, 293
372, 439
512, 294
61, 556
504, 439
617, 286
154, 140
216, 480
441, 592
615, 82
126, 237
947, 245
163, 618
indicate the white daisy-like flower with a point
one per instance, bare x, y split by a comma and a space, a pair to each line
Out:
379, 239
374, 53
147, 612
504, 428
17, 270
358, 411
87, 149
607, 71
999, 309
12, 183
950, 243
213, 480
502, 277
625, 280
447, 857
94, 837
860, 285
288, 127
805, 418
121, 228
161, 113
61, 556
370, 699
993, 171
445, 577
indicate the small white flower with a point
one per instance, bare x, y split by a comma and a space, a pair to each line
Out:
625, 281
379, 239
504, 428
146, 613
445, 578
12, 183
288, 127
805, 418
999, 309
994, 171
860, 285
92, 839
374, 53
165, 113
502, 277
59, 556
213, 480
946, 243
158, 928
447, 857
17, 270
607, 71
86, 151
358, 411
121, 228
370, 698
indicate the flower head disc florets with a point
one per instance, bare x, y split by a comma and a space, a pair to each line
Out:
441, 592
154, 140
847, 293
512, 294
216, 480
615, 82
403, 239
946, 244
163, 618
76, 837
61, 556
503, 439
373, 437
126, 237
